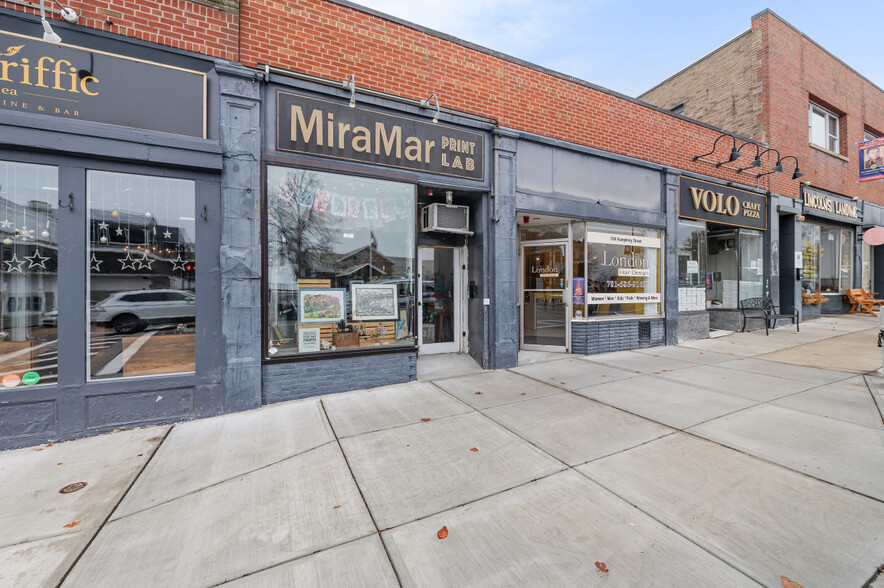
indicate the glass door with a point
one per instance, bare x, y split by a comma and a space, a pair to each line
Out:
545, 296
439, 299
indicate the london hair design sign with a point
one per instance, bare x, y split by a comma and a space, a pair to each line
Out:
715, 203
64, 81
331, 129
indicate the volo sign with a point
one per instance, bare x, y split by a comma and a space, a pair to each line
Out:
871, 160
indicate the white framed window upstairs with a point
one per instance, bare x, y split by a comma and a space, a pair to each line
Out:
824, 128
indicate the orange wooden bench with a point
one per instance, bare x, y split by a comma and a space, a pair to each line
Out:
863, 302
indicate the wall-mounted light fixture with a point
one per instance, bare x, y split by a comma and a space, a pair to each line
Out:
426, 104
735, 153
350, 84
65, 12
797, 174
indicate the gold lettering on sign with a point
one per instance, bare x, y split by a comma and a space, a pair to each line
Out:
715, 202
62, 74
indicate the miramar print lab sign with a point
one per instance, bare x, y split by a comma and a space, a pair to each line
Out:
715, 203
69, 82
332, 129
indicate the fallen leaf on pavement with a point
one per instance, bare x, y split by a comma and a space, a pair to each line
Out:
787, 583
425, 420
59, 463
39, 449
658, 373
336, 507
474, 449
601, 566
443, 533
523, 393
71, 525
478, 392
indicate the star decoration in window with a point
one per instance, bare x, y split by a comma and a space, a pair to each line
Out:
119, 231
178, 263
95, 264
167, 234
14, 264
102, 225
144, 261
128, 261
37, 260
5, 223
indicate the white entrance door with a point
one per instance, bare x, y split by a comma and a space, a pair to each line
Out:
439, 299
546, 300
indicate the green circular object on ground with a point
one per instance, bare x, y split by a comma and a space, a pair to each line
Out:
30, 378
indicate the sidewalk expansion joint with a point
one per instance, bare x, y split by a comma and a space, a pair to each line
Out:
688, 432
222, 482
116, 506
361, 494
294, 559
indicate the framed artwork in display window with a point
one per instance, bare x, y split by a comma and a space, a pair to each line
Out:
321, 305
374, 302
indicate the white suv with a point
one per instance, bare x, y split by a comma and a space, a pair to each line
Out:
132, 311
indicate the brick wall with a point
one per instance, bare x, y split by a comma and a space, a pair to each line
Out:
589, 338
721, 89
333, 40
209, 27
288, 381
791, 71
797, 69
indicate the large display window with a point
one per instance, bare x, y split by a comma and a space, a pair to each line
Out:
340, 263
827, 255
28, 274
141, 263
621, 273
735, 266
691, 266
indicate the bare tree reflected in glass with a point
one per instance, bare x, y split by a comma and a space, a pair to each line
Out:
306, 235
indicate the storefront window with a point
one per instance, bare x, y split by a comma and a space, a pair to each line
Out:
141, 260
340, 262
578, 286
623, 266
691, 266
828, 258
751, 264
28, 274
810, 255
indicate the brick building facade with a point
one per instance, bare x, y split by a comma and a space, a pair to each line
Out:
760, 85
773, 84
274, 139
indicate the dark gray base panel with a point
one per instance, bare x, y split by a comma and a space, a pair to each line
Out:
590, 338
834, 305
301, 379
811, 311
693, 325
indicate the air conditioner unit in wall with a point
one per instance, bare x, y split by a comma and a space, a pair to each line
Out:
446, 218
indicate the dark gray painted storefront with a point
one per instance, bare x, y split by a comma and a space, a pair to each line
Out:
304, 377
74, 406
562, 179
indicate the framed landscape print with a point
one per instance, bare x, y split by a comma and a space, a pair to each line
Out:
321, 305
374, 302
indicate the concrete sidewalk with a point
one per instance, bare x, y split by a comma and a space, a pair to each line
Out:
734, 461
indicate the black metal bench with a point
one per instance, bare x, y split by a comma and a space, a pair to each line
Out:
765, 309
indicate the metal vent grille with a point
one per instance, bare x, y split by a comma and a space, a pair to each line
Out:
451, 217
644, 331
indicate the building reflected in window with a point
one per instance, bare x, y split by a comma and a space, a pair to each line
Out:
141, 268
